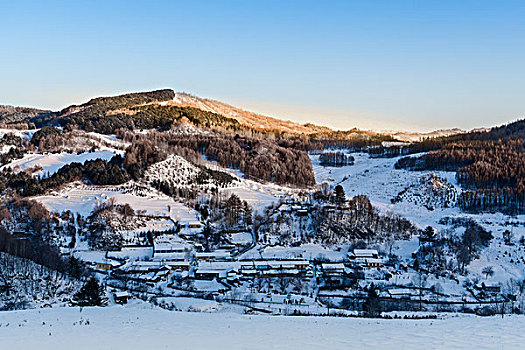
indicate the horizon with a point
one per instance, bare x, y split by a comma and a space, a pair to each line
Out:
402, 66
281, 117
277, 116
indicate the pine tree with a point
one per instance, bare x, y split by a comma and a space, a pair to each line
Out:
340, 197
75, 268
372, 306
91, 294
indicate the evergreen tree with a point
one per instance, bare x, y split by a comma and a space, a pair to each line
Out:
372, 306
91, 294
75, 268
340, 197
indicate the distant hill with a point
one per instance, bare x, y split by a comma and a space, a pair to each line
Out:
330, 138
254, 120
409, 136
161, 109
12, 114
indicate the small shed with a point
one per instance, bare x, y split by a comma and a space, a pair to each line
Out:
121, 297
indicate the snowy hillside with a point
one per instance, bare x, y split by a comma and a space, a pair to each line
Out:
255, 120
407, 193
48, 164
189, 219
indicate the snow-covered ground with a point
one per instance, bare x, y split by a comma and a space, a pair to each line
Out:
50, 163
24, 134
380, 181
142, 327
80, 198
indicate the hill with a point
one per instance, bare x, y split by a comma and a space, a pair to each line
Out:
418, 136
487, 163
268, 125
164, 109
253, 120
12, 114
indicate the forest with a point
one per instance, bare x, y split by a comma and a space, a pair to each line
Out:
258, 159
98, 172
97, 109
354, 139
336, 159
489, 165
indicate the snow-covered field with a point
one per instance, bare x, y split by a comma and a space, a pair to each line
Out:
50, 163
25, 134
380, 181
80, 198
141, 327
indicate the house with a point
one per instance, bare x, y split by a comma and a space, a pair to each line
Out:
369, 262
211, 273
132, 251
166, 248
401, 293
143, 267
216, 255
106, 265
334, 275
302, 212
226, 246
333, 268
285, 208
275, 268
121, 297
194, 224
366, 258
160, 275
490, 288
178, 265
275, 264
364, 253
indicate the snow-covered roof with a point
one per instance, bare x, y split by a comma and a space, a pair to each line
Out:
274, 263
215, 254
171, 247
365, 253
333, 266
191, 223
399, 292
219, 272
369, 261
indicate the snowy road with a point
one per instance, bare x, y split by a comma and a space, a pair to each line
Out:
142, 328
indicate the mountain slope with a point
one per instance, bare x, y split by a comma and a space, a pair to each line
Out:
264, 124
417, 136
12, 114
257, 121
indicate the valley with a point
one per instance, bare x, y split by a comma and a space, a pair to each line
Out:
188, 215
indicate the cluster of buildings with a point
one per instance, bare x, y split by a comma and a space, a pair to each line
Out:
182, 261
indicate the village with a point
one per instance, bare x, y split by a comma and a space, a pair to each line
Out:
236, 272
270, 248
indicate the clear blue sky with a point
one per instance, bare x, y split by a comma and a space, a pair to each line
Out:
391, 64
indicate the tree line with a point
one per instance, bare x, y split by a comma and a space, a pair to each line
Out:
492, 172
258, 159
336, 159
97, 172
